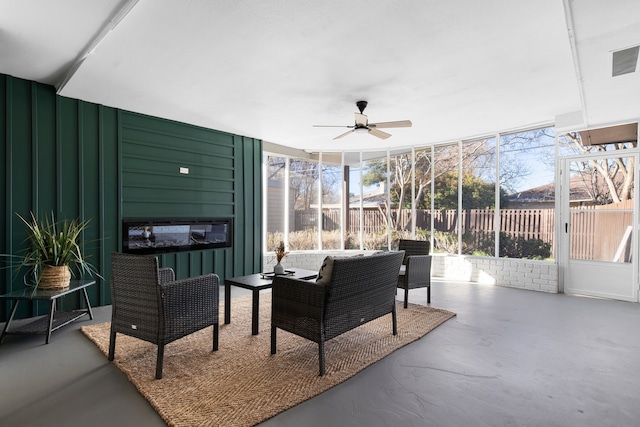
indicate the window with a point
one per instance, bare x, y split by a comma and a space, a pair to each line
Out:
331, 200
601, 189
479, 197
446, 162
275, 201
492, 196
527, 173
304, 182
375, 205
423, 168
353, 202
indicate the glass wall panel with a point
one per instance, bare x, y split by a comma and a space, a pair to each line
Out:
378, 201
445, 197
275, 201
331, 200
375, 201
601, 208
527, 173
352, 206
479, 197
400, 187
304, 181
600, 198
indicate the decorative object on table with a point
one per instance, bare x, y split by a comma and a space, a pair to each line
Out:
274, 274
280, 253
54, 252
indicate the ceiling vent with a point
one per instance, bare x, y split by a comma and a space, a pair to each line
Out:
625, 61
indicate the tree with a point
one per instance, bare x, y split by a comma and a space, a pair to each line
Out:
304, 180
303, 183
473, 155
476, 193
610, 180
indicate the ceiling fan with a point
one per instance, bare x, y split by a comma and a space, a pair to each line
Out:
362, 124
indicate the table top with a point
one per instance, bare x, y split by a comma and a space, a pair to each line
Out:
255, 281
46, 294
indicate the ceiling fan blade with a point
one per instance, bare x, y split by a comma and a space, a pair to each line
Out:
361, 119
398, 124
379, 133
343, 134
331, 126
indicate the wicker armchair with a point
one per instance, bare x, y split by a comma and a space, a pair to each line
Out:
416, 274
413, 247
149, 304
357, 290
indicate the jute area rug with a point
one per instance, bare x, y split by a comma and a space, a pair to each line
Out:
242, 384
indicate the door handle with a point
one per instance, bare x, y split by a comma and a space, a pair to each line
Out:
566, 227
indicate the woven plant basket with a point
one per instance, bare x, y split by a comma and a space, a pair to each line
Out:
54, 277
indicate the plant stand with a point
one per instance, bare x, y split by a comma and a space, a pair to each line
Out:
55, 320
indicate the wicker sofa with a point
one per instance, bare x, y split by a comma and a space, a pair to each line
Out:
349, 292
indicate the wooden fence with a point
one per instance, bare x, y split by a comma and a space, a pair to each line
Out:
602, 233
526, 223
598, 232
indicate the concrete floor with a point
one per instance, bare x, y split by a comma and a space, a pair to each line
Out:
510, 358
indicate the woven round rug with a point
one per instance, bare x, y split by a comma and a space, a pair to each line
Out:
242, 384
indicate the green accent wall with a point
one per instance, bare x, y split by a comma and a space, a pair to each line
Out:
79, 159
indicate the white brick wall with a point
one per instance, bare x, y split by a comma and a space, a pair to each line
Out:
310, 260
514, 273
509, 272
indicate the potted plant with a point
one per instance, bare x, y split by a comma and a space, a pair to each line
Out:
54, 251
280, 253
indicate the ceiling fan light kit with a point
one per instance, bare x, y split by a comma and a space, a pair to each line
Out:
362, 124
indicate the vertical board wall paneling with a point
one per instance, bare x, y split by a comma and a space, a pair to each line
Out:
53, 163
21, 157
109, 209
5, 167
256, 191
154, 151
78, 159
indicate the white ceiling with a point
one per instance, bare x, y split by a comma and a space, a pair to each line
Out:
271, 69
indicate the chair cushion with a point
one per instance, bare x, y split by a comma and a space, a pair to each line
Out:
324, 275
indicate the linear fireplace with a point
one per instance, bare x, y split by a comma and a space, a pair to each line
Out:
161, 235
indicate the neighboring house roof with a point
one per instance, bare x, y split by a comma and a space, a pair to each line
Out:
370, 200
581, 190
543, 193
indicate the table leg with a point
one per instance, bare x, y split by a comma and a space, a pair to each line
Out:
51, 313
6, 326
86, 301
254, 312
227, 303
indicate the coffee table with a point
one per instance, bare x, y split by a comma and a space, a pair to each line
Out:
44, 325
255, 283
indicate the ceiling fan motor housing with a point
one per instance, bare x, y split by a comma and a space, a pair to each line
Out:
362, 124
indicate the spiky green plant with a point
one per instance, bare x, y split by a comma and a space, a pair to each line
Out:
55, 243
